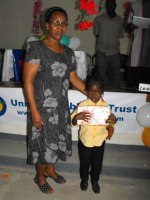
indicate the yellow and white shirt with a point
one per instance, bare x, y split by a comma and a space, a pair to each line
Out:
92, 135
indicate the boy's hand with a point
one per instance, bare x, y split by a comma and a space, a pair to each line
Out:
111, 119
110, 131
83, 116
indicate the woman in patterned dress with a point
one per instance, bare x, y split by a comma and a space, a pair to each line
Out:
49, 67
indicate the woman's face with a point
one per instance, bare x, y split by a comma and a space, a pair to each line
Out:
57, 25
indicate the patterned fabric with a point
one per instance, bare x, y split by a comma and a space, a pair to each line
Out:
53, 141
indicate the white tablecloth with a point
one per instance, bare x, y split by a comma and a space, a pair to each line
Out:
81, 64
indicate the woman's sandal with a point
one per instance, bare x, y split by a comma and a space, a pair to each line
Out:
45, 188
58, 179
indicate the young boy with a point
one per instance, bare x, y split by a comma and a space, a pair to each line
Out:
92, 137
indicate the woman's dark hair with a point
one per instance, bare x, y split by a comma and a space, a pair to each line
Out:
93, 80
51, 10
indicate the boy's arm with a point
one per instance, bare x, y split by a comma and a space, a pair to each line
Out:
74, 121
111, 122
72, 117
110, 129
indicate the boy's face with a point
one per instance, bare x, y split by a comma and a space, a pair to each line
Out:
94, 93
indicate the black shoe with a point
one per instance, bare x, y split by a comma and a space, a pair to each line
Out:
95, 186
84, 185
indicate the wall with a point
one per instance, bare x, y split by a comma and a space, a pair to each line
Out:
16, 23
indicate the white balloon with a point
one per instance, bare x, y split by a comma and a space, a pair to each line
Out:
143, 115
74, 43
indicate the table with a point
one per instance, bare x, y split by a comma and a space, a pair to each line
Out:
81, 64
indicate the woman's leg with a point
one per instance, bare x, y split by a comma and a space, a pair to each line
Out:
50, 172
40, 177
40, 170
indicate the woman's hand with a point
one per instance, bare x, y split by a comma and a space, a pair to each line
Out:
77, 82
37, 119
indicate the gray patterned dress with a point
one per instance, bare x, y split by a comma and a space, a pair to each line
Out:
54, 140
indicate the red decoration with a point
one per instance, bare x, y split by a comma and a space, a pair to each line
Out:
128, 8
85, 25
89, 8
128, 12
36, 17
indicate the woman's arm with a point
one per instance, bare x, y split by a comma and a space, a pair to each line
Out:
30, 71
77, 82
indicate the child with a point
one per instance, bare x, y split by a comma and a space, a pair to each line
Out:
92, 137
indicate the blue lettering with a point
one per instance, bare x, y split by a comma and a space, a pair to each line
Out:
120, 119
21, 113
134, 109
123, 109
72, 106
116, 108
14, 103
129, 109
111, 106
18, 103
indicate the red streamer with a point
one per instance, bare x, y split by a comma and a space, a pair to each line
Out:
36, 17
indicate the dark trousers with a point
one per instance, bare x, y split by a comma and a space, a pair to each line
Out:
108, 68
91, 160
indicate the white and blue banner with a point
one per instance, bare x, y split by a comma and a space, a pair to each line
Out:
13, 112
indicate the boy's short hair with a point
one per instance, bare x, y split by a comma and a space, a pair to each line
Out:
91, 80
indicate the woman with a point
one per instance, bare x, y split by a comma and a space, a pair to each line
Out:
49, 66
